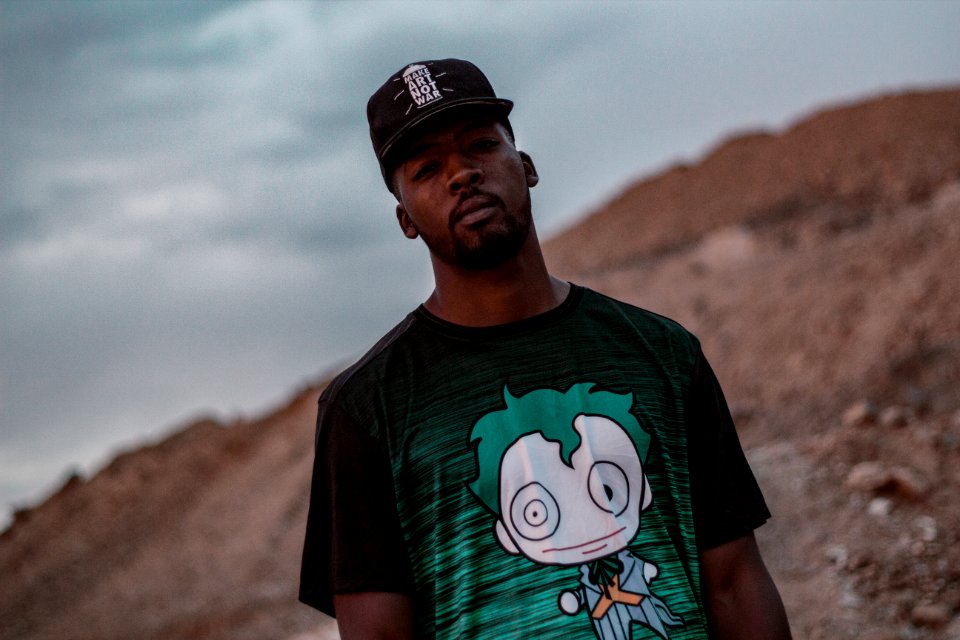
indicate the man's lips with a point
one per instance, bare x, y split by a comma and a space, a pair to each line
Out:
473, 208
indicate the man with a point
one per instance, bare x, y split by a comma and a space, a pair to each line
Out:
521, 457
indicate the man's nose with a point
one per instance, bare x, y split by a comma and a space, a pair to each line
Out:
465, 173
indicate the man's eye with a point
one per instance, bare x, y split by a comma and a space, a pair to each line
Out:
484, 143
424, 170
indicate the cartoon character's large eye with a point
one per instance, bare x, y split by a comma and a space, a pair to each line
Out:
609, 487
534, 512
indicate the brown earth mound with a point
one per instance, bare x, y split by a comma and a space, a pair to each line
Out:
818, 266
893, 150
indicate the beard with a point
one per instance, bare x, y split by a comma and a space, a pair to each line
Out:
495, 243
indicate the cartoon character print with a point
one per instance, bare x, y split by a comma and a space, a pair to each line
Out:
563, 474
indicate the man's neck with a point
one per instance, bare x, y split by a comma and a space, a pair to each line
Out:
518, 289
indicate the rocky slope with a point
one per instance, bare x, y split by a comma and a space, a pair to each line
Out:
819, 267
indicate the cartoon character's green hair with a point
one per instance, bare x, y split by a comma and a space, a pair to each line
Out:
551, 414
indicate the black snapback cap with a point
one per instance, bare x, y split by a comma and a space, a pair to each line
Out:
420, 91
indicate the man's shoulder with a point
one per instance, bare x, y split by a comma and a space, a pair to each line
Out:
357, 375
642, 319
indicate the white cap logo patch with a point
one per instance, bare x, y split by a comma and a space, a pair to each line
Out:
421, 85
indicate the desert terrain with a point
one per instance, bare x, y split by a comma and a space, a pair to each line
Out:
819, 265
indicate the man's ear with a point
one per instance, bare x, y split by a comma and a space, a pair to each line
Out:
406, 224
529, 169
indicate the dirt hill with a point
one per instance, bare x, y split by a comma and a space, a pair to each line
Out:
819, 267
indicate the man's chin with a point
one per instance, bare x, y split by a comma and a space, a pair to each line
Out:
492, 250
488, 257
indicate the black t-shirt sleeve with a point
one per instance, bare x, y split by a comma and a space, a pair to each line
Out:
727, 502
353, 540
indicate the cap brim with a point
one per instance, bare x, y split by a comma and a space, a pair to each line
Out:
503, 107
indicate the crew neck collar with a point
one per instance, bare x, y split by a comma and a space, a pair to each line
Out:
453, 330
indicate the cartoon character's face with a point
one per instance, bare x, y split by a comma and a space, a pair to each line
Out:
555, 514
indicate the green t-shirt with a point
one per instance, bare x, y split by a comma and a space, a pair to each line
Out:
554, 477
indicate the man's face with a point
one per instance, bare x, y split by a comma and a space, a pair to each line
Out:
555, 514
465, 189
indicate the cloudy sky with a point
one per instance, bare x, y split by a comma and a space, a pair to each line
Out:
191, 219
